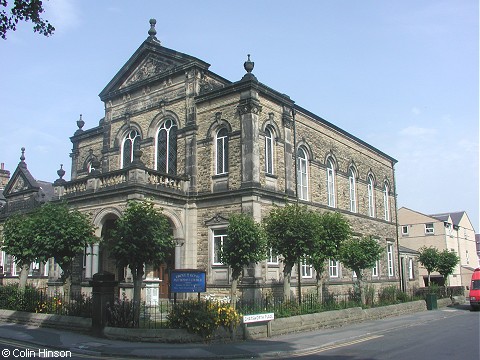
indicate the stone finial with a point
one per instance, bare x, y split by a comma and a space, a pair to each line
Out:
22, 163
60, 181
61, 172
248, 66
152, 32
80, 124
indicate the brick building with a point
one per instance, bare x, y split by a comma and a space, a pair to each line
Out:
203, 147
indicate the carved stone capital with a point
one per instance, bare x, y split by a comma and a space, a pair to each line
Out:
249, 106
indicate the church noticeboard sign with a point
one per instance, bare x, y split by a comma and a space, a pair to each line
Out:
187, 281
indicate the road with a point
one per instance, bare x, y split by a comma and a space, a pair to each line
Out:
444, 334
455, 336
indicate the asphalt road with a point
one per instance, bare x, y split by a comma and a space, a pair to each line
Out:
453, 337
448, 333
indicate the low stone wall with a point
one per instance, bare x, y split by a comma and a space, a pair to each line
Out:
309, 322
151, 335
73, 323
334, 318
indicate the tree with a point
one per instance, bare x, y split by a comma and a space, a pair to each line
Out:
62, 233
358, 255
18, 240
335, 229
245, 244
447, 260
429, 257
24, 10
142, 235
291, 231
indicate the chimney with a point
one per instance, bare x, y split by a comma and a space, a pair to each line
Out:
4, 176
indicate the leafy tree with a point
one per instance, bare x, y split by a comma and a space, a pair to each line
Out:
358, 255
429, 257
18, 240
23, 10
447, 260
291, 231
333, 230
245, 243
142, 235
62, 233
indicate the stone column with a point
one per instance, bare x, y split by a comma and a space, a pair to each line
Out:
95, 259
290, 155
178, 256
88, 262
249, 110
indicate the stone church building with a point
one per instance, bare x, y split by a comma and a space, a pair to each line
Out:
202, 147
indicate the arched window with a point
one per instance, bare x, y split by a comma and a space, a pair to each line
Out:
130, 143
352, 190
386, 203
371, 196
222, 152
302, 174
269, 150
167, 147
330, 183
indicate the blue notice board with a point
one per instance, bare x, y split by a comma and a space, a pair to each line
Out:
187, 281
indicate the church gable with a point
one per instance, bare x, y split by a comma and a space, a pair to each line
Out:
150, 62
22, 181
151, 66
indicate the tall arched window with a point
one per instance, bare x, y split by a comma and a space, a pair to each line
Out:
130, 143
371, 196
386, 203
302, 174
222, 152
269, 150
330, 183
167, 147
352, 190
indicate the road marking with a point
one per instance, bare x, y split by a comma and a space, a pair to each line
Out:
335, 346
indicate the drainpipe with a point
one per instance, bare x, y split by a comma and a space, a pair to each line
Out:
400, 272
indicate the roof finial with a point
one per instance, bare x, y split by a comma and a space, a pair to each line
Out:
152, 32
248, 66
22, 159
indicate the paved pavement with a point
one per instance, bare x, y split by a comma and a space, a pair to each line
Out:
284, 346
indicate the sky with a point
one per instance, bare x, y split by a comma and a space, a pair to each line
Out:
402, 75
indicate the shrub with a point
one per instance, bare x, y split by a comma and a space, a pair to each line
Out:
120, 313
203, 317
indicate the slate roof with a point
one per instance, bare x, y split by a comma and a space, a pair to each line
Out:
455, 216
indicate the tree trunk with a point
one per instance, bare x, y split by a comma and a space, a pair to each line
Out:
67, 285
233, 293
319, 288
287, 274
360, 288
137, 275
299, 281
428, 281
23, 277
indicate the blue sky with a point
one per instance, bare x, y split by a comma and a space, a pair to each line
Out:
401, 75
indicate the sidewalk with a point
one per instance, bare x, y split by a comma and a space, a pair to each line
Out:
278, 347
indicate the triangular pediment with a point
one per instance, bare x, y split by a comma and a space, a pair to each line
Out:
21, 182
150, 62
151, 66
